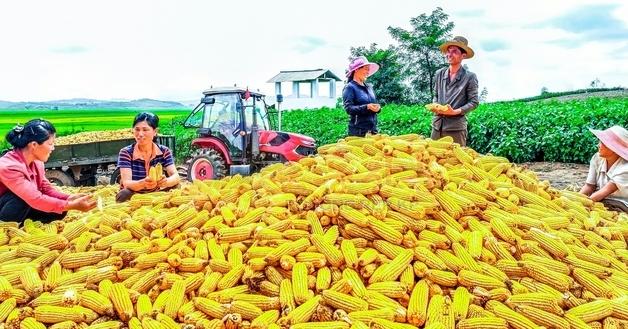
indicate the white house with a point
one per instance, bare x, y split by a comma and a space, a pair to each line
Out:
310, 88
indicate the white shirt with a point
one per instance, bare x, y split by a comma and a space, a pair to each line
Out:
599, 176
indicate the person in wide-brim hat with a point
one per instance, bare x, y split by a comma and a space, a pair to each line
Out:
608, 171
359, 62
455, 88
460, 42
358, 98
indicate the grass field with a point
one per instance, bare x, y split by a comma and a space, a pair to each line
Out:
73, 121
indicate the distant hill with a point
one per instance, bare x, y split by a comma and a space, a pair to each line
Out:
78, 103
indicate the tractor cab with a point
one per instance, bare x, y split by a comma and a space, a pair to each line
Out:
235, 136
221, 114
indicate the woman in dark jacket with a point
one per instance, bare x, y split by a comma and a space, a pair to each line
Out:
359, 99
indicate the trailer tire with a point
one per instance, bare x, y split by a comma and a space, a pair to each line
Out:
60, 178
205, 164
115, 177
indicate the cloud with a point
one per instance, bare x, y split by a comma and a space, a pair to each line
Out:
589, 23
621, 52
500, 61
307, 44
493, 45
470, 13
72, 49
567, 43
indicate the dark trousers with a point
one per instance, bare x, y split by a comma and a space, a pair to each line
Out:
14, 209
125, 194
616, 204
360, 132
459, 136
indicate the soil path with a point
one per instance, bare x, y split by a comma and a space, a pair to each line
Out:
569, 176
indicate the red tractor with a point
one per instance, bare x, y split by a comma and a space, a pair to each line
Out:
235, 136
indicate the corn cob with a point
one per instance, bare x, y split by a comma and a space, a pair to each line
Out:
299, 283
513, 318
542, 318
31, 281
417, 306
592, 311
482, 323
333, 255
343, 301
121, 301
95, 301
55, 314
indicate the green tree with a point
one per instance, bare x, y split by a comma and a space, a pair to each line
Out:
419, 53
388, 81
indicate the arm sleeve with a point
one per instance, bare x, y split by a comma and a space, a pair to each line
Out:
26, 190
472, 96
168, 160
435, 98
592, 176
48, 189
348, 100
620, 178
124, 159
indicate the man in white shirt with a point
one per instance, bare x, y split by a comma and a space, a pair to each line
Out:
608, 172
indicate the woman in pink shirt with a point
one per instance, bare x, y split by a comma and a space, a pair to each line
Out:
24, 190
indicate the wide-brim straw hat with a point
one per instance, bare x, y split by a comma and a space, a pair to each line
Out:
615, 138
458, 41
359, 62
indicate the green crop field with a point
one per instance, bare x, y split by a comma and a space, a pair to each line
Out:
73, 121
521, 131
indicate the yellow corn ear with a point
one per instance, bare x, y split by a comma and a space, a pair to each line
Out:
6, 307
175, 298
31, 281
31, 323
513, 318
417, 306
490, 322
121, 301
343, 301
542, 318
210, 307
300, 283
95, 301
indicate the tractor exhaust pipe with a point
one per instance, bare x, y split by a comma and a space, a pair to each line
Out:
254, 133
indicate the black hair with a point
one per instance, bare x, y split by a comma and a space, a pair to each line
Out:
37, 130
462, 50
350, 78
150, 118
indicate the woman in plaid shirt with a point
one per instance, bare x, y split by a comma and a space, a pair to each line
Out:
136, 159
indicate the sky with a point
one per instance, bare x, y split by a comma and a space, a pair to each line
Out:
173, 50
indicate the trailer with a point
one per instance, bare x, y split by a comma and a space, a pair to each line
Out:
81, 164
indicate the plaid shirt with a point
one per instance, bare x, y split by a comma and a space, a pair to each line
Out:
460, 93
129, 158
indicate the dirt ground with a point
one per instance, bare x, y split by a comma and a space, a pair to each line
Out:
569, 176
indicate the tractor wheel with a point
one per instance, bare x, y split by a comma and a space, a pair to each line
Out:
115, 177
205, 164
59, 177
